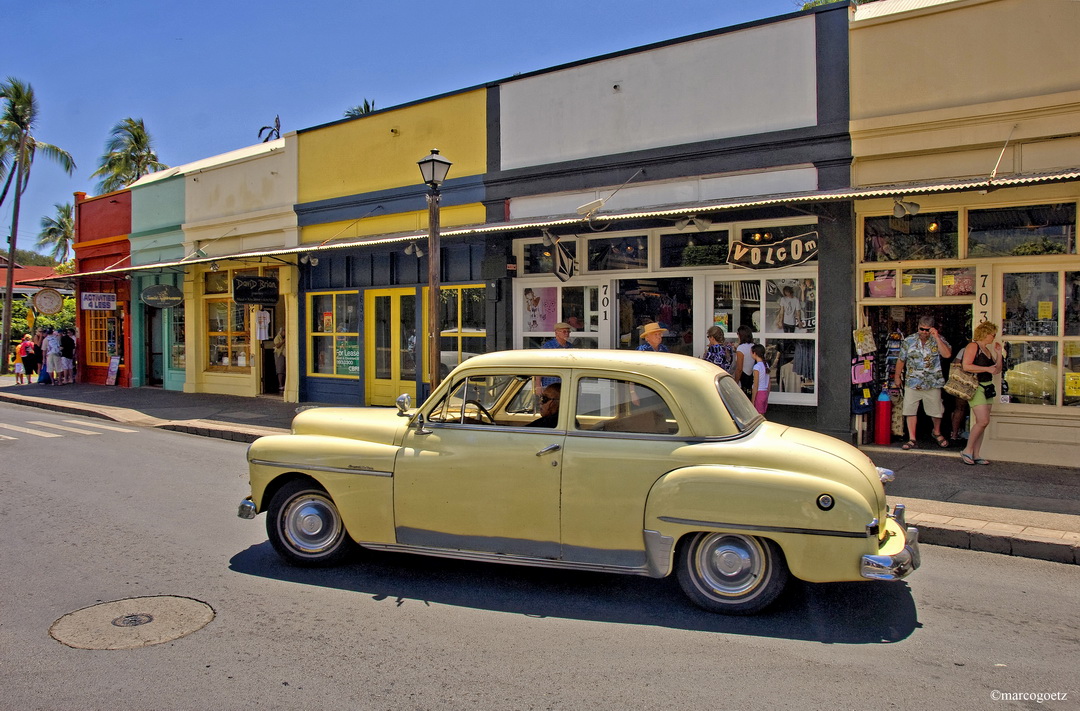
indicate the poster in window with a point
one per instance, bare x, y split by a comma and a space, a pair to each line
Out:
539, 305
347, 356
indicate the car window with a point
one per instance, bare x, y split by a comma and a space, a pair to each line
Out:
613, 405
740, 408
504, 400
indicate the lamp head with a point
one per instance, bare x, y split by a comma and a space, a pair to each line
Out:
434, 168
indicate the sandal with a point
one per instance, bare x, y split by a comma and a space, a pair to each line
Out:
966, 458
942, 442
980, 460
910, 444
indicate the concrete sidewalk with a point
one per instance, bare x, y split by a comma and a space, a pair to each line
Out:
1023, 510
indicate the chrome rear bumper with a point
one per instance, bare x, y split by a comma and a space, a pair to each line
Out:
900, 565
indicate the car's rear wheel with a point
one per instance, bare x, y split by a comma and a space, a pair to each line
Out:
731, 573
304, 526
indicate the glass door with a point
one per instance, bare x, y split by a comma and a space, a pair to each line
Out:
392, 345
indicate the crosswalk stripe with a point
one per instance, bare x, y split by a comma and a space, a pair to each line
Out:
63, 427
6, 437
24, 430
103, 427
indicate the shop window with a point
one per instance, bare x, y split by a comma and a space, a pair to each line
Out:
782, 313
694, 249
463, 326
178, 343
879, 283
918, 283
664, 301
216, 282
333, 334
583, 307
539, 258
104, 336
958, 281
1041, 368
1022, 231
616, 253
1031, 303
922, 236
228, 338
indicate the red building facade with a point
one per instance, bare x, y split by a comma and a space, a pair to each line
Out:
102, 228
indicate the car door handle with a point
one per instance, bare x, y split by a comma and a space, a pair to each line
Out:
547, 449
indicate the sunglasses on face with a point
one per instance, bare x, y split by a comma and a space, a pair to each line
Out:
924, 329
544, 399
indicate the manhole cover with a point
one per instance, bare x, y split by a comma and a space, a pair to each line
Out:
131, 623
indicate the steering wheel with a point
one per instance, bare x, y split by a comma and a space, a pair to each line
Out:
482, 410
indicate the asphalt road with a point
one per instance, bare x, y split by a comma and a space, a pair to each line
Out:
97, 518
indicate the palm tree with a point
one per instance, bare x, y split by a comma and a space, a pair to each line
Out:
17, 122
58, 232
360, 109
272, 132
129, 155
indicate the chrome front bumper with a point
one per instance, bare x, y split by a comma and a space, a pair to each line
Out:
900, 565
247, 509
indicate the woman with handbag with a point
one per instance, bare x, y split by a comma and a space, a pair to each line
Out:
983, 358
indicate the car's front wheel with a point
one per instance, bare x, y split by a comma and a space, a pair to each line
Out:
304, 526
731, 573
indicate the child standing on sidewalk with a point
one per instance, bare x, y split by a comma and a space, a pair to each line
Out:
761, 378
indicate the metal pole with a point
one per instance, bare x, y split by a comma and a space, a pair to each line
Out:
434, 262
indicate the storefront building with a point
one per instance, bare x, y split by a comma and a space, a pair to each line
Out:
988, 231
102, 226
662, 216
158, 316
362, 211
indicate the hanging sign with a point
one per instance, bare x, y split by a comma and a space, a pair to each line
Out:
258, 290
774, 255
97, 301
564, 262
48, 301
162, 296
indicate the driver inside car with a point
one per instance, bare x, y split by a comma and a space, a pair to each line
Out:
549, 406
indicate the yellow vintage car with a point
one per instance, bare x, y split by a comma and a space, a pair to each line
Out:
645, 464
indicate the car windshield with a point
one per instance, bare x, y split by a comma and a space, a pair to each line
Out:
459, 403
738, 405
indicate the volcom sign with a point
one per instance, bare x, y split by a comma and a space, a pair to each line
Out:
773, 255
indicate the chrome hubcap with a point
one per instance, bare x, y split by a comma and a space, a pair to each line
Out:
730, 564
311, 524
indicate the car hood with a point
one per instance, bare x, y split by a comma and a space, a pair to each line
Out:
370, 424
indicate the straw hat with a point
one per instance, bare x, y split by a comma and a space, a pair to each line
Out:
652, 328
561, 325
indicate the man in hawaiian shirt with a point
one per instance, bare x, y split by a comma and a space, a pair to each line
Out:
920, 356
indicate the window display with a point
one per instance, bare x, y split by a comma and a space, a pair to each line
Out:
1022, 231
922, 236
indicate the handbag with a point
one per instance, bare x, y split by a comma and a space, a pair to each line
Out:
961, 383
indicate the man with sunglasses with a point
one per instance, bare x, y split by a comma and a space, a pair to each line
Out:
549, 406
920, 357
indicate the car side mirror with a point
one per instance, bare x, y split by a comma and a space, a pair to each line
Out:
404, 404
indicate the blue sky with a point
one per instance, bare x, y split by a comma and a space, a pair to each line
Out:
205, 75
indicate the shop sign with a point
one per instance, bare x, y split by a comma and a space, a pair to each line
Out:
97, 301
347, 356
162, 296
257, 290
774, 255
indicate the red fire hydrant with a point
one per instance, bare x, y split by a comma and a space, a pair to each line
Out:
883, 419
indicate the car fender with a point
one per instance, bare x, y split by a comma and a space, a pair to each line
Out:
358, 476
819, 543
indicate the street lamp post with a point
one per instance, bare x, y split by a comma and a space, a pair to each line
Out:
434, 169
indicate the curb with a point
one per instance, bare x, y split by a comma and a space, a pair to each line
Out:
1021, 545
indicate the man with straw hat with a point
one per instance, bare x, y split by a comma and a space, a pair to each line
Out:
653, 335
